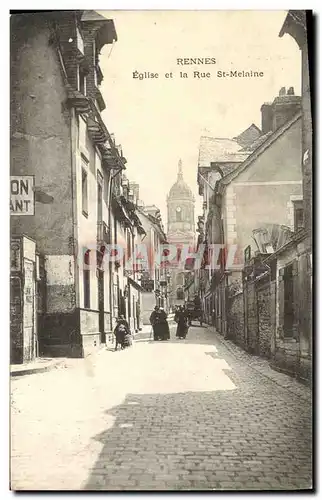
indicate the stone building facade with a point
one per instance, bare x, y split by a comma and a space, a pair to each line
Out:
58, 136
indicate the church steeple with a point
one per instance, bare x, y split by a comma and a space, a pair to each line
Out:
180, 174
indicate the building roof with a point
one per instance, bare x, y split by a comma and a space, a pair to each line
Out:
92, 15
270, 138
295, 24
248, 136
214, 149
258, 142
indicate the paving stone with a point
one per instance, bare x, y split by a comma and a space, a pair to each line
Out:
197, 415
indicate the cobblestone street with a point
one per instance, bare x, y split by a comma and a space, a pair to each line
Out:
175, 415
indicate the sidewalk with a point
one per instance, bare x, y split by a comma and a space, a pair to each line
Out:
38, 366
262, 366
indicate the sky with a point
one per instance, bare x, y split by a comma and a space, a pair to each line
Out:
159, 121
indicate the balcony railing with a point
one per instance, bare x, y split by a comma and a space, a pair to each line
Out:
103, 233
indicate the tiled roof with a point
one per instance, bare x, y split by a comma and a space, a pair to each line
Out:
248, 136
258, 142
214, 149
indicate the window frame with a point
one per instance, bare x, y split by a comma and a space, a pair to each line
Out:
84, 200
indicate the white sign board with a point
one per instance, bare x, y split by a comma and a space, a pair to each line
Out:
22, 196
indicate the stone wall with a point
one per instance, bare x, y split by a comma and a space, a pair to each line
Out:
264, 320
236, 330
251, 315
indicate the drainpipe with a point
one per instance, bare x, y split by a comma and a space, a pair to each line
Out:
110, 265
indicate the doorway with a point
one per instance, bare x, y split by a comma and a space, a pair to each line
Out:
29, 338
288, 301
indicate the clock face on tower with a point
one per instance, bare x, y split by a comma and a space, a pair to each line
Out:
178, 209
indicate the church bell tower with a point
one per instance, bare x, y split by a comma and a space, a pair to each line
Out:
181, 228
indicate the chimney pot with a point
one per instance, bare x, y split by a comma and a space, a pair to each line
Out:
282, 91
290, 91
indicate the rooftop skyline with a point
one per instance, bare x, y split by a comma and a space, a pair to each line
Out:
158, 121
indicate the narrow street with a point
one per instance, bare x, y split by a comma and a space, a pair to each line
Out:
174, 415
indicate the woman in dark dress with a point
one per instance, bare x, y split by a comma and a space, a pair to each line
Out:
182, 321
165, 330
158, 320
155, 322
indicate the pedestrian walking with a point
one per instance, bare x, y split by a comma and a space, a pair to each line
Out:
157, 320
165, 330
181, 319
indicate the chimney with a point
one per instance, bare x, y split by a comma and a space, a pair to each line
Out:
285, 106
267, 117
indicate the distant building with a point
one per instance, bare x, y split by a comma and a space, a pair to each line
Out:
180, 230
154, 278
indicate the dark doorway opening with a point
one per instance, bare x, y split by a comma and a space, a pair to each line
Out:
101, 305
288, 301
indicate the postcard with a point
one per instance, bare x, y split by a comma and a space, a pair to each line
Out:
161, 250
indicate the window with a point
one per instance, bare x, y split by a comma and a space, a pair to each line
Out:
87, 281
129, 246
99, 197
84, 193
82, 133
298, 215
80, 41
87, 288
178, 217
81, 81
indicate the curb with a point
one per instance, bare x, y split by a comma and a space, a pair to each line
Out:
36, 369
306, 397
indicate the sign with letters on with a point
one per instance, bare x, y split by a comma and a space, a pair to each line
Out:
22, 196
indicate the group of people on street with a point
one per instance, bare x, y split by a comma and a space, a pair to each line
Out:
160, 325
159, 322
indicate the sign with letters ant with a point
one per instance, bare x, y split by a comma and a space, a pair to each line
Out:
22, 196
